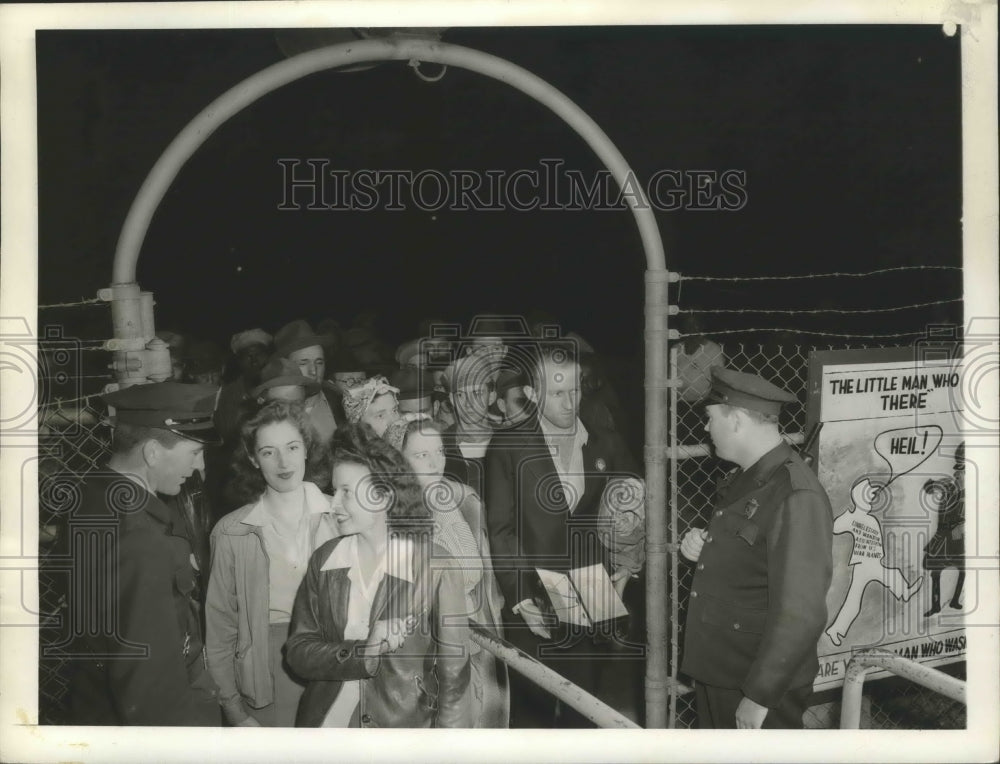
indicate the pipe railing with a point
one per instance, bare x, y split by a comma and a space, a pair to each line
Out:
598, 712
866, 660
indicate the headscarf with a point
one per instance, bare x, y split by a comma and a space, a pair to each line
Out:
358, 399
395, 433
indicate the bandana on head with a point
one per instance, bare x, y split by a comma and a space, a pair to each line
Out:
358, 399
395, 433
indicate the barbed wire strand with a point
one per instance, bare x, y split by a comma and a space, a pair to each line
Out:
60, 402
835, 274
88, 301
790, 330
839, 311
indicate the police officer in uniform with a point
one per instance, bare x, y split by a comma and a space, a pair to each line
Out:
763, 567
140, 657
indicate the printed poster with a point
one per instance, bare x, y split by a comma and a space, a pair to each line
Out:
891, 457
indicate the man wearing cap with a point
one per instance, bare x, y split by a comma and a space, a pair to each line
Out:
346, 372
250, 349
299, 344
416, 391
149, 667
763, 566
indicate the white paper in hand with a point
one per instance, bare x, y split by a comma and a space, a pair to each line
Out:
584, 596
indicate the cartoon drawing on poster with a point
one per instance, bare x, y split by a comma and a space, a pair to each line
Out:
867, 564
887, 455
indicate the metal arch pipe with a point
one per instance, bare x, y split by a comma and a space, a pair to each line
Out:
237, 98
866, 660
256, 86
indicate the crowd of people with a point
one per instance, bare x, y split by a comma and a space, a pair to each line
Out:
334, 536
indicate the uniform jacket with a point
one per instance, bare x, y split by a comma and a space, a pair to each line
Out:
423, 684
758, 598
154, 672
237, 609
529, 521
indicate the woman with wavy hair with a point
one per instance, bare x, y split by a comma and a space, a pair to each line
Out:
379, 626
460, 528
259, 556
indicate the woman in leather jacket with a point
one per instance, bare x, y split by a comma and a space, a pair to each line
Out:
259, 556
380, 626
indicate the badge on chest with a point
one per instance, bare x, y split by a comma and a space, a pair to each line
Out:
740, 522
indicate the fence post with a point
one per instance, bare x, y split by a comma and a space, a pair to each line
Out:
850, 704
657, 384
675, 625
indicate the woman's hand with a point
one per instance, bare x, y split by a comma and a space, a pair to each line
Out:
535, 619
620, 578
248, 722
387, 636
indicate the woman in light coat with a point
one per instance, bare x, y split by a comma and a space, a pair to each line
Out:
259, 556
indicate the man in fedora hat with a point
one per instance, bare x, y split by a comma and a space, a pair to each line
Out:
298, 343
763, 566
148, 668
281, 380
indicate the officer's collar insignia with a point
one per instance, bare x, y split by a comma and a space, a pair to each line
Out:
601, 464
751, 508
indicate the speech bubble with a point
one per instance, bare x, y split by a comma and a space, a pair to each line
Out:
907, 448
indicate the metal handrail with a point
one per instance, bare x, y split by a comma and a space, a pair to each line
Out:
866, 660
598, 712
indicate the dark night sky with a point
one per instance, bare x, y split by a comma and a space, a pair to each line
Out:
849, 136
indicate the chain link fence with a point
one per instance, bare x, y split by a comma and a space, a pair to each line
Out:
891, 703
73, 440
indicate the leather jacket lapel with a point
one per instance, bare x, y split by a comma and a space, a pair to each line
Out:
392, 599
339, 594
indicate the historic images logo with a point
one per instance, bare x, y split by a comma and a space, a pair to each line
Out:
311, 184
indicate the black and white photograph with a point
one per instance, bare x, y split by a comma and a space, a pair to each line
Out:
478, 370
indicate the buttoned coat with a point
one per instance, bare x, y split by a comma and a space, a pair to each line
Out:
152, 670
758, 599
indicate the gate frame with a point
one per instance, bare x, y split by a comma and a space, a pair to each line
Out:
657, 278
